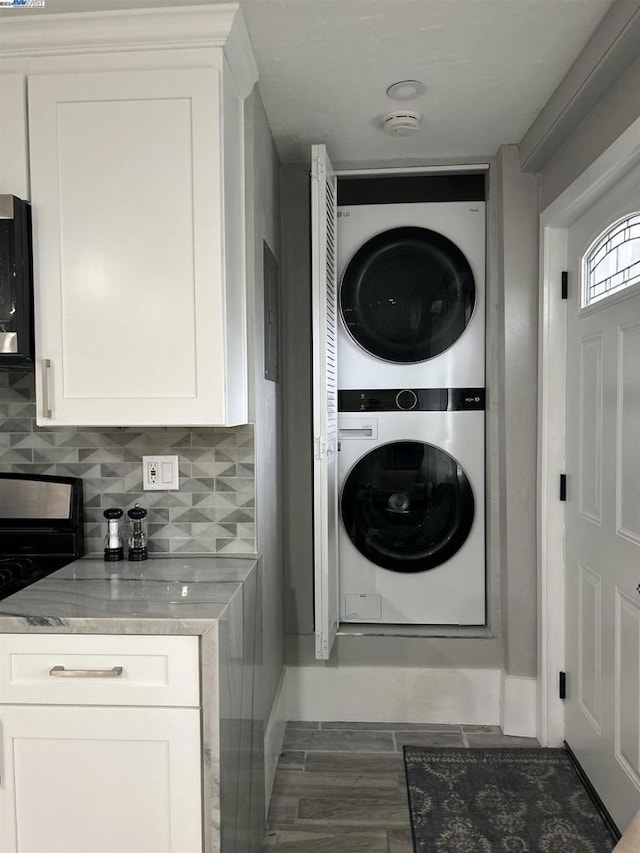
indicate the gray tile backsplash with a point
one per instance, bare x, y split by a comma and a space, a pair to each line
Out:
213, 511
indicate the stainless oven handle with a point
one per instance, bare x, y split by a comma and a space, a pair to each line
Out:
46, 375
62, 672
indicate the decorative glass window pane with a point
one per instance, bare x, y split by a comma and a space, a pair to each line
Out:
613, 261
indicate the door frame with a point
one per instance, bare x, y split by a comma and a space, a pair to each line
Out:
618, 159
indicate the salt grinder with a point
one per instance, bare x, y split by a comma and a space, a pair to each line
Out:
113, 548
137, 537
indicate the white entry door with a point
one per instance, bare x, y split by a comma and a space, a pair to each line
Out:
602, 549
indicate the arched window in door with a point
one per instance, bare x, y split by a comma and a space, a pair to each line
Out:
612, 263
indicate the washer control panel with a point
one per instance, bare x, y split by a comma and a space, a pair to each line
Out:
412, 400
406, 399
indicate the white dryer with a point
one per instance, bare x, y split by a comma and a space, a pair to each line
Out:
412, 295
411, 482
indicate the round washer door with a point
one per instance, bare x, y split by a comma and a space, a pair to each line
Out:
407, 295
407, 506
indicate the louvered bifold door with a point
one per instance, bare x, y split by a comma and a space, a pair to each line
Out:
325, 399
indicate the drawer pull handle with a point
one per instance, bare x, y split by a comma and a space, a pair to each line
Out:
61, 672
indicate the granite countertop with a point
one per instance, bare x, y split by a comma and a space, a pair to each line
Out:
163, 596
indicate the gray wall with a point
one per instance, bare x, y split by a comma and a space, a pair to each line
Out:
296, 376
518, 366
263, 224
511, 463
611, 116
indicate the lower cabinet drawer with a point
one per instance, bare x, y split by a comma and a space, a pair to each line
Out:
99, 669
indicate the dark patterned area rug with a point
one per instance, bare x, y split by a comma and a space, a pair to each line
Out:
496, 800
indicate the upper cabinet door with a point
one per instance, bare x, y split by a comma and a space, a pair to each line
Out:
325, 398
134, 325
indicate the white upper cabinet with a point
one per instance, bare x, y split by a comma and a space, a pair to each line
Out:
131, 275
137, 191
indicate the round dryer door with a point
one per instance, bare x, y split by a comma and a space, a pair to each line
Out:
407, 506
407, 295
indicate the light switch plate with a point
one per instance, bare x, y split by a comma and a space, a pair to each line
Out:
160, 473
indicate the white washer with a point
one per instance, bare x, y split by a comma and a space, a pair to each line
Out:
412, 496
412, 295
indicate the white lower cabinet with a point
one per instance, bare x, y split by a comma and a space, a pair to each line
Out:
100, 780
92, 760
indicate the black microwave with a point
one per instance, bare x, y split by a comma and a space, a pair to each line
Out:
16, 283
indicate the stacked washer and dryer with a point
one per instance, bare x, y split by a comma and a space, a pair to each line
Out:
411, 375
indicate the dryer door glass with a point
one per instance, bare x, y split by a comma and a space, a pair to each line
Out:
407, 506
407, 295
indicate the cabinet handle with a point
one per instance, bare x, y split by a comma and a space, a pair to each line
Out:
46, 373
61, 672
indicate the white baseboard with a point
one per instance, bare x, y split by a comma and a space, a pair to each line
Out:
519, 706
404, 695
274, 736
481, 697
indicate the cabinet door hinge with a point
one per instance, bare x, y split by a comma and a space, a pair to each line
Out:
565, 284
563, 487
319, 447
562, 685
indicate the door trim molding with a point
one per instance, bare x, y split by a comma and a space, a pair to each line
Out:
603, 173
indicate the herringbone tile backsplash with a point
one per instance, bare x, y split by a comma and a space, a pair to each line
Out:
213, 511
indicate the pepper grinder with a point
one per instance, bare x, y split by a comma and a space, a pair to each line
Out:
113, 548
137, 537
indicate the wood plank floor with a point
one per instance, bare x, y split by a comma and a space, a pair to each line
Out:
341, 786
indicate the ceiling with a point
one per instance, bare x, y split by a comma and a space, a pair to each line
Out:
488, 67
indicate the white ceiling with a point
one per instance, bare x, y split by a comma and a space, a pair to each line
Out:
489, 66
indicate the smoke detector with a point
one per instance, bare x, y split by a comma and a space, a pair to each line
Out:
401, 122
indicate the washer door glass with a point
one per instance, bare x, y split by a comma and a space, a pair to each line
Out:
407, 295
407, 506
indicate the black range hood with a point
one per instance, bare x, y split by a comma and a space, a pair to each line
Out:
16, 284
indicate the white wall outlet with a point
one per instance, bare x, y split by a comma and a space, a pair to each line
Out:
160, 473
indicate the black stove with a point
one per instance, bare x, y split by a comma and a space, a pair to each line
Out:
41, 528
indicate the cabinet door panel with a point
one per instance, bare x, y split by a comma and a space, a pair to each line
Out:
100, 780
126, 248
128, 240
